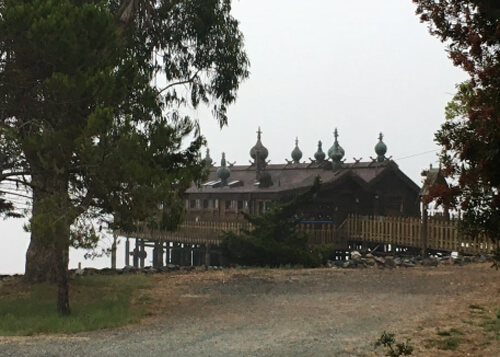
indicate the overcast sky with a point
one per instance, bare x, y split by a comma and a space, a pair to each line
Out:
362, 66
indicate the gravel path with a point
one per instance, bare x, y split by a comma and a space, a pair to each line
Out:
323, 312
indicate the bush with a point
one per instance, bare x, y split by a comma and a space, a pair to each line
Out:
394, 349
276, 239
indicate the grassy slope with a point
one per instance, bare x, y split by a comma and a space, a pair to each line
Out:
96, 302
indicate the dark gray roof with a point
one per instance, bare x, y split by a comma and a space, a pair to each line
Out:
293, 176
433, 177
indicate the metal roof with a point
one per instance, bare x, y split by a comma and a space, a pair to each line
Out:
292, 176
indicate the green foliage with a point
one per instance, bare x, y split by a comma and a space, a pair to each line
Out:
496, 259
394, 349
450, 332
324, 252
275, 240
476, 308
449, 340
492, 325
470, 136
84, 128
98, 302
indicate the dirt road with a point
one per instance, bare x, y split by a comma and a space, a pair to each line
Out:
321, 312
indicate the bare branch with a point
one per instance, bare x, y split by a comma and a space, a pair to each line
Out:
189, 80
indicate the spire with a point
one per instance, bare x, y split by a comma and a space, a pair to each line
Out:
296, 153
380, 148
319, 155
208, 160
223, 171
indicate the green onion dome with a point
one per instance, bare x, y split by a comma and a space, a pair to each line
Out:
223, 171
319, 155
296, 153
263, 153
336, 152
380, 148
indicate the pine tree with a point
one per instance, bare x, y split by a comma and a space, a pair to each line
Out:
83, 125
275, 239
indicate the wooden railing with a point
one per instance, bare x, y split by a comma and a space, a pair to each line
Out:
407, 232
324, 234
191, 232
397, 231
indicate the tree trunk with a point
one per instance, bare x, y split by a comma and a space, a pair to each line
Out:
61, 269
40, 258
47, 256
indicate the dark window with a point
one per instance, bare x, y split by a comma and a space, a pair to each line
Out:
231, 204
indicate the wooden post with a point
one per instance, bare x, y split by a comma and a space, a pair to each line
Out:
136, 253
127, 252
175, 254
158, 254
113, 252
207, 256
142, 254
167, 253
423, 232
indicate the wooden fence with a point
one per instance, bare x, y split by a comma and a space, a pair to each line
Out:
397, 231
191, 232
201, 232
407, 232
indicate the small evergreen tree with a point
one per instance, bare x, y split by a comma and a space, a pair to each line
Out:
276, 239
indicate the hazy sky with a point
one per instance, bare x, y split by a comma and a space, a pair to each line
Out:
362, 66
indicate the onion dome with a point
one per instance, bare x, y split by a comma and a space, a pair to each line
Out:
296, 153
319, 155
208, 160
380, 148
223, 171
336, 152
263, 153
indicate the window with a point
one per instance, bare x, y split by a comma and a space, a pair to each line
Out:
231, 204
206, 204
